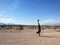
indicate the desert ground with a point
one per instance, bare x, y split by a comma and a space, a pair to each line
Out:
29, 37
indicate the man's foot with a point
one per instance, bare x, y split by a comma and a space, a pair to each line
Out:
38, 32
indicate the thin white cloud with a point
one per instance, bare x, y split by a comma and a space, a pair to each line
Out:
8, 20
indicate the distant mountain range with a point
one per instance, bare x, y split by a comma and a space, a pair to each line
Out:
6, 24
56, 24
2, 24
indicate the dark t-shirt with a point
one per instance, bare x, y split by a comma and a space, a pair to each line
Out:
39, 28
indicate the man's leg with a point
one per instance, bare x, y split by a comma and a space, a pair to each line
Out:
39, 33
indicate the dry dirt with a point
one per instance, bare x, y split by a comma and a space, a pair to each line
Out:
29, 37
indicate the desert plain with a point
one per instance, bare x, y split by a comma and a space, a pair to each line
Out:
29, 37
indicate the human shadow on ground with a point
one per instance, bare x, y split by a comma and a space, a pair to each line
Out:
50, 36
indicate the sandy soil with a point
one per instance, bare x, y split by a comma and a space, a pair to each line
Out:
29, 37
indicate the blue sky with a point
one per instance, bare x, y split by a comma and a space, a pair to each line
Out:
28, 11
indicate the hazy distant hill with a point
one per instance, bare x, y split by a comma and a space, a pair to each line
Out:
2, 23
6, 24
56, 24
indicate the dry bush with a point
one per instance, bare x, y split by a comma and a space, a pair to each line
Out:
42, 28
20, 27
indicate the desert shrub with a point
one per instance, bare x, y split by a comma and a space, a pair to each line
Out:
31, 27
35, 28
10, 31
42, 28
47, 27
20, 27
2, 26
9, 27
55, 27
